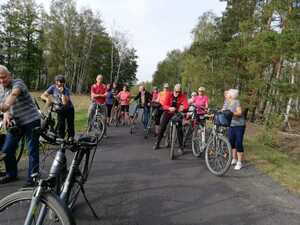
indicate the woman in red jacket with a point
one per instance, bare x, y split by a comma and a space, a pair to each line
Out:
175, 102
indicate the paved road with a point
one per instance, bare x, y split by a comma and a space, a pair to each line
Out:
132, 185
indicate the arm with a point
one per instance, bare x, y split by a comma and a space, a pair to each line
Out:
185, 104
10, 100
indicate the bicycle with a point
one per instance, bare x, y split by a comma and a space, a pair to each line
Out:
43, 204
151, 121
215, 144
172, 134
133, 116
97, 124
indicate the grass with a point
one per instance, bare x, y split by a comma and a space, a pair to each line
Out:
269, 158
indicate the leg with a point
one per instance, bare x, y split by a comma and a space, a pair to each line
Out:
146, 117
9, 148
240, 131
163, 126
32, 138
70, 122
180, 135
231, 137
91, 112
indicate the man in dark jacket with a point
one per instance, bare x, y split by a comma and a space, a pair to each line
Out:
144, 101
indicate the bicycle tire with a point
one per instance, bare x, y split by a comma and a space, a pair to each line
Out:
173, 140
197, 147
49, 199
97, 126
212, 150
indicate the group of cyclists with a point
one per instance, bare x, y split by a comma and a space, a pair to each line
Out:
17, 103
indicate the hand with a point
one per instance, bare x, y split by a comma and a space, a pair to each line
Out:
7, 120
149, 104
172, 109
61, 89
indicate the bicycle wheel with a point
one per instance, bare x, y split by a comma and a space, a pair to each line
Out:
85, 163
97, 127
197, 145
166, 140
20, 149
173, 140
218, 155
14, 209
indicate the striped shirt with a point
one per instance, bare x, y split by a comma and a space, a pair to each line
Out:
24, 111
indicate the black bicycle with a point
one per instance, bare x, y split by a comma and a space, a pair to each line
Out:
53, 198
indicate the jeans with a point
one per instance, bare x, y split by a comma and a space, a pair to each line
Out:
11, 144
146, 117
68, 115
92, 111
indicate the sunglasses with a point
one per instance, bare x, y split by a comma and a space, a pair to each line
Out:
177, 92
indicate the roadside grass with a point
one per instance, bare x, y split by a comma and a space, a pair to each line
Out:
266, 153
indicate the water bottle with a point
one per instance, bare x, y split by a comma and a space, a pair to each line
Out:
58, 164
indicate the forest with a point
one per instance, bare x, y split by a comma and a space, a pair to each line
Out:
254, 47
36, 44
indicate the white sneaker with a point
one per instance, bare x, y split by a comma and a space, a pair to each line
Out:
238, 166
233, 162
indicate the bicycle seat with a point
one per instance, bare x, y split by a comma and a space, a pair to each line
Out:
87, 141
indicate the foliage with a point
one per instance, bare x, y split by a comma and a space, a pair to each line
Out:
36, 45
253, 46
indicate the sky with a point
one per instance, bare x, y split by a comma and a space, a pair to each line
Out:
153, 27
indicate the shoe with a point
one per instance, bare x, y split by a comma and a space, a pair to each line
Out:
2, 174
238, 166
29, 184
71, 139
2, 156
7, 179
233, 162
156, 146
180, 151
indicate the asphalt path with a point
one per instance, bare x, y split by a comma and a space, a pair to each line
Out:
131, 184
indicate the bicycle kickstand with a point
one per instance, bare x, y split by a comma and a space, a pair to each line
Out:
88, 202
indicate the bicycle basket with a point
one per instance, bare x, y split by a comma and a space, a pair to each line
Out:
223, 118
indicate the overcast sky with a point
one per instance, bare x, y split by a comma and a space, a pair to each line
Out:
154, 27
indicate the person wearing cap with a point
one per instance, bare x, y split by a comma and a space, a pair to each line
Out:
162, 100
18, 104
60, 94
201, 101
177, 101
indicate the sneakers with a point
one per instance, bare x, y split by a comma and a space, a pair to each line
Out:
180, 151
7, 179
233, 162
156, 146
29, 184
238, 165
